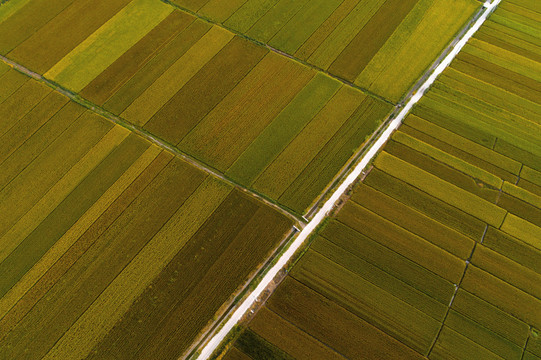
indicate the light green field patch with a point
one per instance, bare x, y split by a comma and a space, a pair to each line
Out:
533, 5
245, 17
441, 189
494, 115
522, 42
522, 194
512, 24
504, 58
480, 122
523, 230
426, 30
514, 34
303, 24
531, 175
11, 7
464, 144
4, 68
337, 41
491, 94
520, 15
283, 129
108, 43
297, 155
172, 80
266, 27
448, 159
220, 10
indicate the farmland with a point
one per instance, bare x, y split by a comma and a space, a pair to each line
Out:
436, 252
147, 63
381, 46
108, 243
162, 70
155, 155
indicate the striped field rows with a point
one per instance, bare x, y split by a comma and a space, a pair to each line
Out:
437, 252
108, 241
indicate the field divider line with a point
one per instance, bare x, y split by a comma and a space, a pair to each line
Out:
207, 351
150, 137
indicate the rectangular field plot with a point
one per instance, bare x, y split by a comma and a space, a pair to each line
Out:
439, 246
109, 246
382, 46
265, 121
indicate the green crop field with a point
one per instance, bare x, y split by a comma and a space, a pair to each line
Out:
155, 154
439, 246
268, 123
149, 72
382, 46
107, 242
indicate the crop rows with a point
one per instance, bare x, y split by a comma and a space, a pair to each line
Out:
382, 46
108, 244
436, 253
268, 123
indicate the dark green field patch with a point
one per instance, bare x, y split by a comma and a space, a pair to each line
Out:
491, 317
426, 204
328, 162
30, 123
498, 76
83, 243
12, 80
239, 56
219, 246
94, 271
27, 20
308, 102
252, 244
258, 348
118, 73
52, 42
33, 146
503, 295
78, 140
328, 322
371, 38
380, 278
32, 248
290, 338
508, 270
150, 310
463, 154
391, 262
483, 336
453, 345
520, 208
414, 221
235, 123
429, 111
20, 103
443, 171
155, 67
402, 241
